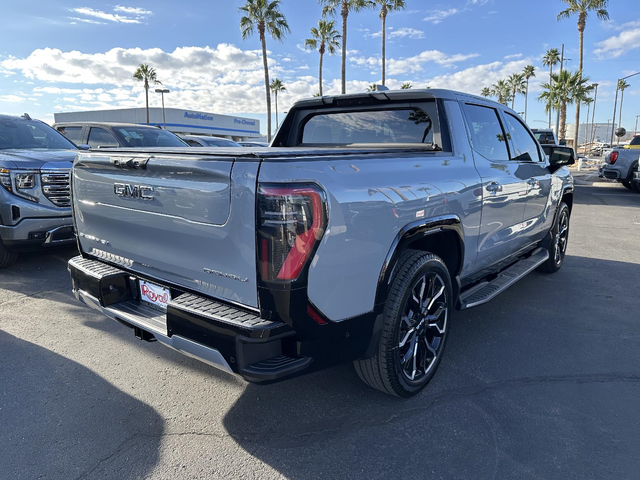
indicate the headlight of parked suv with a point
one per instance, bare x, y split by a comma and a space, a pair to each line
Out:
20, 183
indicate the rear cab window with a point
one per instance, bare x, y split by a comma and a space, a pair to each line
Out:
72, 133
384, 125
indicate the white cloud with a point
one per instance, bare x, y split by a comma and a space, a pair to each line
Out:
412, 64
404, 32
85, 20
437, 16
120, 14
473, 79
615, 46
512, 56
11, 98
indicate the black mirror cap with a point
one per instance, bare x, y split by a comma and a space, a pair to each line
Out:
560, 155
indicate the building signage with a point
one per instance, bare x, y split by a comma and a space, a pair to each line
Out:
198, 116
244, 121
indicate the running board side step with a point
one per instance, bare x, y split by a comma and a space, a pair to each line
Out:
488, 290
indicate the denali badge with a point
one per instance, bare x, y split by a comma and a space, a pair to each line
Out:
141, 192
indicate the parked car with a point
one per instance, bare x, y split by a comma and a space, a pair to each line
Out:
354, 241
207, 141
598, 148
545, 136
35, 212
253, 144
621, 164
110, 134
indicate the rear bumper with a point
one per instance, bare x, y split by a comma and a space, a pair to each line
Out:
234, 340
611, 173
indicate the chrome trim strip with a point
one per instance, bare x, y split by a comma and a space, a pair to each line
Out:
192, 349
50, 233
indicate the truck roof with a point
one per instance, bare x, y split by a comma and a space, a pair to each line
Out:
409, 94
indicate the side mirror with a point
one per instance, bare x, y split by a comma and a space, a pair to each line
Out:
84, 147
561, 156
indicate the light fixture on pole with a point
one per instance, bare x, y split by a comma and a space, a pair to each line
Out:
615, 104
162, 91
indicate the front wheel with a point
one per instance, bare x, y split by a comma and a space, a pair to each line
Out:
559, 241
417, 314
6, 257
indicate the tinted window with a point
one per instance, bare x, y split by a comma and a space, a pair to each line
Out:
524, 146
192, 143
99, 137
545, 138
220, 142
376, 126
635, 141
148, 137
487, 136
31, 135
72, 133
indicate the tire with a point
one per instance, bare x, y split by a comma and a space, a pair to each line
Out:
627, 184
559, 241
416, 318
6, 257
635, 186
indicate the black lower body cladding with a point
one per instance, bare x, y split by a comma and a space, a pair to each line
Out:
260, 350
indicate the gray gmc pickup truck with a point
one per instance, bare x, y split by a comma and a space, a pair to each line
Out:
354, 237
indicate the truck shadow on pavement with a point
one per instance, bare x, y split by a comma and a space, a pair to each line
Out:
544, 381
61, 420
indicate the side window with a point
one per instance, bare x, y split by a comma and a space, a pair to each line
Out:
524, 145
487, 136
192, 143
99, 137
72, 133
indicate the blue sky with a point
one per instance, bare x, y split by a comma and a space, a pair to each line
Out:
80, 54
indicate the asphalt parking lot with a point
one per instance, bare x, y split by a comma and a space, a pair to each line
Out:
543, 382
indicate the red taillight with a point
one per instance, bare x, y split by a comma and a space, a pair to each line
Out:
291, 220
613, 157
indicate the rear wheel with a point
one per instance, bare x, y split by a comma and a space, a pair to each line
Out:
6, 257
416, 319
559, 241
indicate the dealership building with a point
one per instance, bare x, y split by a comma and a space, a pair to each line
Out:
177, 120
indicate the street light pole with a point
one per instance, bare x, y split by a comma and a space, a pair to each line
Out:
162, 91
635, 130
593, 116
615, 104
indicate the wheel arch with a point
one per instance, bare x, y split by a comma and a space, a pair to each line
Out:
442, 235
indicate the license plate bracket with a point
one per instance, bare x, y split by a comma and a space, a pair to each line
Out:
154, 295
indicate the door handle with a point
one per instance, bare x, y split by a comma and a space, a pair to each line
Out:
494, 187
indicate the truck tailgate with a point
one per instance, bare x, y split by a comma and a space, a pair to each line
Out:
182, 220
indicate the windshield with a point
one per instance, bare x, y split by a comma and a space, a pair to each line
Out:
219, 142
545, 137
31, 135
147, 137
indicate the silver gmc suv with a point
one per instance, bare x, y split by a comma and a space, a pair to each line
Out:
35, 161
354, 237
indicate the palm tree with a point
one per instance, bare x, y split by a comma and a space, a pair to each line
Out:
622, 86
550, 59
324, 38
516, 83
406, 86
147, 74
277, 86
528, 72
566, 88
346, 6
582, 9
265, 17
371, 88
486, 92
386, 7
502, 90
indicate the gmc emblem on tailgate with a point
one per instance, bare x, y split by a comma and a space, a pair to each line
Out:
141, 192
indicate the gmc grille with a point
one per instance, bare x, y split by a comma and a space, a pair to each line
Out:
55, 186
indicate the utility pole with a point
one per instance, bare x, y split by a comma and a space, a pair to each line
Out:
635, 130
593, 116
162, 91
558, 110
